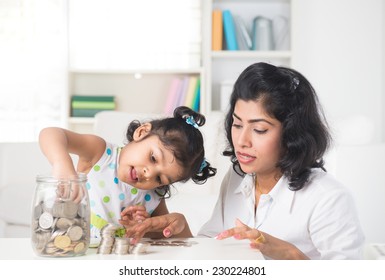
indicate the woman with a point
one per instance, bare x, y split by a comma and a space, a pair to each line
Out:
277, 193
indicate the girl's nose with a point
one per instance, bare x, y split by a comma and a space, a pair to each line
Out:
147, 173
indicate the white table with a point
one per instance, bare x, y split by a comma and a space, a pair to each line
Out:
201, 249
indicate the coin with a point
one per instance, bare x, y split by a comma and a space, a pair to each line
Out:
140, 248
63, 223
75, 233
79, 247
62, 241
38, 210
45, 220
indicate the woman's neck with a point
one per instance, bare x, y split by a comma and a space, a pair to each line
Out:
264, 183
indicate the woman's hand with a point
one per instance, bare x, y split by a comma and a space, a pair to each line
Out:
269, 246
168, 225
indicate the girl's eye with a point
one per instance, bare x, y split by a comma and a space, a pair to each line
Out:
153, 159
236, 125
159, 180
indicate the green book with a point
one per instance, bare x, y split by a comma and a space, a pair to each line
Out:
197, 97
93, 98
85, 113
92, 105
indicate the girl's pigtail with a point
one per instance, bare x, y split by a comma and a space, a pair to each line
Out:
204, 172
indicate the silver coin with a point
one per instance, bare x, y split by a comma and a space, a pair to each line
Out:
64, 223
38, 210
75, 233
45, 220
140, 248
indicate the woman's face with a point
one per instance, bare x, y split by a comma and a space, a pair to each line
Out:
256, 138
146, 163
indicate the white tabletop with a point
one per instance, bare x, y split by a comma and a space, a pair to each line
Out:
200, 249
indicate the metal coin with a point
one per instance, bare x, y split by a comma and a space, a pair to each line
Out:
62, 241
45, 220
75, 233
63, 223
79, 247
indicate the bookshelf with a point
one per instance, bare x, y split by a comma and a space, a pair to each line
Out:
146, 91
224, 66
134, 91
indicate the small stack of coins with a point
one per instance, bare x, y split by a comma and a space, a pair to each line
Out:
139, 248
107, 234
122, 246
112, 240
60, 228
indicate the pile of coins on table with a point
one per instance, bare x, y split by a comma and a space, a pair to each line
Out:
112, 241
172, 243
60, 228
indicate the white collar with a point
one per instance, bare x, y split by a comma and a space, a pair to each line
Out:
279, 193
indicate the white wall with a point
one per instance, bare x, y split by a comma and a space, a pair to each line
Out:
339, 46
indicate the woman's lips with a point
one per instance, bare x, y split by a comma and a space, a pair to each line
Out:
245, 158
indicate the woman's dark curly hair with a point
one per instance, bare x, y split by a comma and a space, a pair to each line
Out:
180, 134
288, 97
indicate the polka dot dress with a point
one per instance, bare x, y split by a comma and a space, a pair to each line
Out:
109, 196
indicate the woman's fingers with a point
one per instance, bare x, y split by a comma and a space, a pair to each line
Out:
238, 229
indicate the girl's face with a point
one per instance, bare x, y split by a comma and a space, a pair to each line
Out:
145, 163
256, 138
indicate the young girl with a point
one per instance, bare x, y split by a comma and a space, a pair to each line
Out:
277, 193
158, 153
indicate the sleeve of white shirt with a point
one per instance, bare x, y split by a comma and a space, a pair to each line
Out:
335, 228
215, 224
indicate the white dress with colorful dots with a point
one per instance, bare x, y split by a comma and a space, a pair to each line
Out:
109, 196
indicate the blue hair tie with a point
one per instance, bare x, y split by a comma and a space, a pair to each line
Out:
190, 120
203, 165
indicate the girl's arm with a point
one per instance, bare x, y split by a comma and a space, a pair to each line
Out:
57, 144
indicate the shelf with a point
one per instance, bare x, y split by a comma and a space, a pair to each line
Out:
77, 120
251, 54
224, 66
141, 71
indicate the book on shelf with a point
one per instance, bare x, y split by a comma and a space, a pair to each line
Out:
217, 30
182, 91
172, 96
197, 96
89, 105
189, 98
229, 31
242, 34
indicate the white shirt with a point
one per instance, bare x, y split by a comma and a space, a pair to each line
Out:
320, 219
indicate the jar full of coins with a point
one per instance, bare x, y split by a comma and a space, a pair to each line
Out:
60, 216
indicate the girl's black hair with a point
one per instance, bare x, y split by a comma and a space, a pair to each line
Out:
180, 134
288, 97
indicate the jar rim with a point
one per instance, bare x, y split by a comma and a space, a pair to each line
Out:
80, 177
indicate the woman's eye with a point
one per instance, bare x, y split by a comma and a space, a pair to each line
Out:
236, 125
260, 131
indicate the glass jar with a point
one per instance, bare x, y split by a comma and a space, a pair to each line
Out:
60, 217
